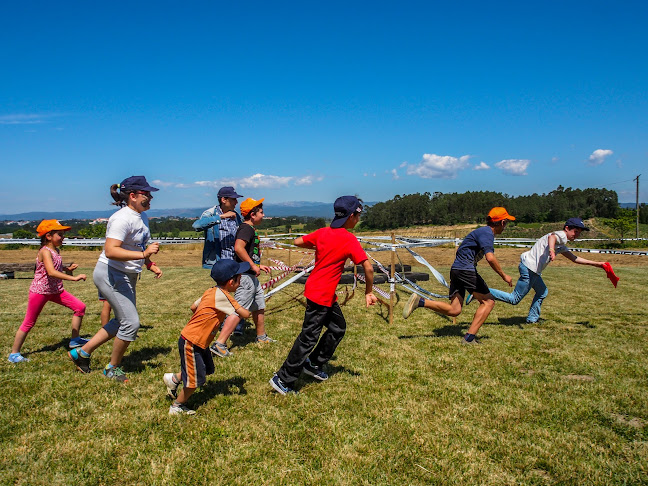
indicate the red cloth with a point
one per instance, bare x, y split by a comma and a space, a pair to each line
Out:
332, 248
610, 273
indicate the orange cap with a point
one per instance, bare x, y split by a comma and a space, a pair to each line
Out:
249, 204
499, 214
48, 225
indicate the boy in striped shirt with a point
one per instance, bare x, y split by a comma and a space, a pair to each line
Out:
209, 312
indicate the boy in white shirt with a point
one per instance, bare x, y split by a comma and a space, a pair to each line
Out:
534, 261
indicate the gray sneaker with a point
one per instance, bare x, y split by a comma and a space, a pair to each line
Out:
82, 363
181, 409
115, 373
474, 342
172, 386
220, 350
410, 305
264, 339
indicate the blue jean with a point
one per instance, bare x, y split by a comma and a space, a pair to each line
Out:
528, 280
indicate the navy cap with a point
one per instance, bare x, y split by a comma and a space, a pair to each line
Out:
136, 183
344, 207
228, 191
576, 223
225, 269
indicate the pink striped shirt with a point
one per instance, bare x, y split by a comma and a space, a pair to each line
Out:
43, 283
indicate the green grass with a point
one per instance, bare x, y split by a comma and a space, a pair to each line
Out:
563, 402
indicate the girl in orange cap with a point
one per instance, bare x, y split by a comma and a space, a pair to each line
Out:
47, 286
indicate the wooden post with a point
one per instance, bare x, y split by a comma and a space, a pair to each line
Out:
290, 249
392, 293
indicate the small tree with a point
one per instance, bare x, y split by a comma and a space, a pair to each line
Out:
23, 233
623, 224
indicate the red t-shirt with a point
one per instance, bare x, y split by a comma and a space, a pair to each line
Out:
332, 248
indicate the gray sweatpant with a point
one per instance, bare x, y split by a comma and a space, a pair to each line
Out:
119, 290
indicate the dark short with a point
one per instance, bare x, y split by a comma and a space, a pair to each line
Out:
462, 281
195, 363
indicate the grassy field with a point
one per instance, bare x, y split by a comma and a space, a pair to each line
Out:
561, 402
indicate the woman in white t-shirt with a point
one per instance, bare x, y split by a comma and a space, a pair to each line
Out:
534, 261
116, 273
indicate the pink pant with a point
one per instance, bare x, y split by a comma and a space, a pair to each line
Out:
36, 303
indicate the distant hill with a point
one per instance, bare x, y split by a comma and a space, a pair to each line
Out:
276, 210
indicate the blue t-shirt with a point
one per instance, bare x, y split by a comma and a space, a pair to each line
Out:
473, 248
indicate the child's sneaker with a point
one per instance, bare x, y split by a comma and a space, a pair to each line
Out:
115, 373
220, 350
181, 409
264, 338
82, 363
280, 387
311, 370
411, 304
77, 342
172, 386
17, 358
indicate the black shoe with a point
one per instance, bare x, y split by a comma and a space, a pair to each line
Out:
82, 363
311, 370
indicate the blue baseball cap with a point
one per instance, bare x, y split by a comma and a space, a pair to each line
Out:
225, 269
576, 223
136, 183
344, 207
228, 191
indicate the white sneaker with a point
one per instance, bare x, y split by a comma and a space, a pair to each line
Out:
172, 386
181, 409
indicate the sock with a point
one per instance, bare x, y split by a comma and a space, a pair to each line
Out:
469, 337
109, 366
81, 352
421, 302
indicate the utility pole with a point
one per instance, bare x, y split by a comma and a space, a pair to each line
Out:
637, 208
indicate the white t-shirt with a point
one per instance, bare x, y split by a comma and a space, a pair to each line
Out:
537, 258
131, 228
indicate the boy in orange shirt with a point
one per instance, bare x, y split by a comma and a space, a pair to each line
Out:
209, 312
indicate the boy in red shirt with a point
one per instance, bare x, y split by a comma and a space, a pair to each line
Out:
333, 246
209, 311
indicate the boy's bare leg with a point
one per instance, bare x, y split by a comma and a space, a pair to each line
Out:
76, 325
451, 309
105, 313
486, 304
228, 328
184, 395
259, 321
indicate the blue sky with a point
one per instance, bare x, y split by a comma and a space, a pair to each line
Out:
311, 100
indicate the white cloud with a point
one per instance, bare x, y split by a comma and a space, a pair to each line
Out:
158, 182
404, 164
516, 167
307, 180
256, 181
394, 174
599, 156
482, 166
554, 160
25, 119
438, 166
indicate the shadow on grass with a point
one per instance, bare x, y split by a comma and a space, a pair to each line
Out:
586, 324
445, 331
220, 387
63, 343
512, 321
137, 360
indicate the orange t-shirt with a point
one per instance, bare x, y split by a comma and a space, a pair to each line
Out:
213, 307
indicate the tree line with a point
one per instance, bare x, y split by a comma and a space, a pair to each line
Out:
471, 207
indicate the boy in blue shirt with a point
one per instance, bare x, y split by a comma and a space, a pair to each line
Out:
464, 277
